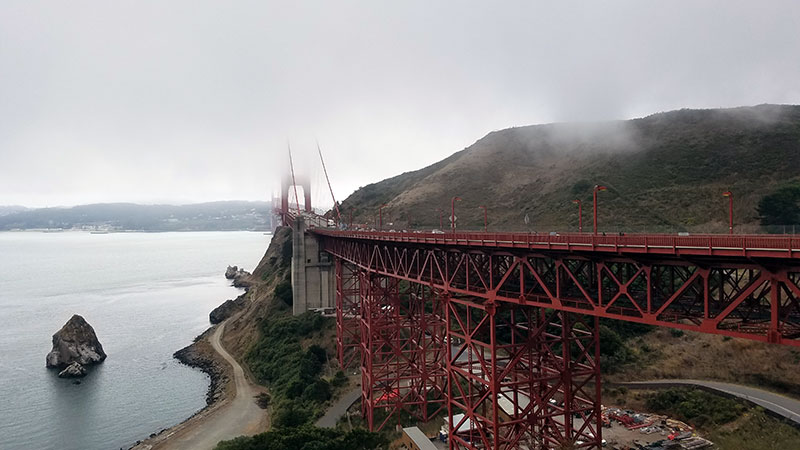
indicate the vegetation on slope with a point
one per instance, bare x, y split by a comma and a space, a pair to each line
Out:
665, 172
667, 353
290, 355
729, 424
307, 438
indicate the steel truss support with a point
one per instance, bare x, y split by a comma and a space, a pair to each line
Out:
402, 351
521, 377
742, 297
348, 314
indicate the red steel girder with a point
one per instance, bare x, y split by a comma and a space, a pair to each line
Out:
402, 351
348, 314
518, 376
737, 246
755, 299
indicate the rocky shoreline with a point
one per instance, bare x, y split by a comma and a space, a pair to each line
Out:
197, 356
200, 355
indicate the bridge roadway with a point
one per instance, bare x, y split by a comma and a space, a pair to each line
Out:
736, 285
505, 302
733, 246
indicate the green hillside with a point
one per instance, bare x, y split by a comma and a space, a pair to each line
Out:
665, 172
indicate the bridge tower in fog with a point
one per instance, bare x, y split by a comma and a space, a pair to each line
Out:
289, 184
313, 283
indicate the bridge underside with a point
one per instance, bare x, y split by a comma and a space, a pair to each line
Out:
749, 298
508, 375
507, 340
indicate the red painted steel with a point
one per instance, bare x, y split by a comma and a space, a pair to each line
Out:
520, 364
521, 377
745, 286
402, 351
736, 246
348, 314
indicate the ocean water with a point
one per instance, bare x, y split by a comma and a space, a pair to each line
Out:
145, 294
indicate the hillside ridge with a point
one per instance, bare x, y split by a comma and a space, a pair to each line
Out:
665, 172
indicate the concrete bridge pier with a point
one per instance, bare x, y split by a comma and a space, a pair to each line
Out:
313, 277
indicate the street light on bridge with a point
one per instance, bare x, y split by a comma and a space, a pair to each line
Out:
597, 188
453, 213
485, 220
441, 213
729, 194
380, 217
580, 214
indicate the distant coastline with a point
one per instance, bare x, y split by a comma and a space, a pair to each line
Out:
128, 217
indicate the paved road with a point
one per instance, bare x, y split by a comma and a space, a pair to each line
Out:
338, 409
776, 403
240, 416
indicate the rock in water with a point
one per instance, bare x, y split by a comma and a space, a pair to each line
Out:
239, 276
75, 342
231, 272
73, 370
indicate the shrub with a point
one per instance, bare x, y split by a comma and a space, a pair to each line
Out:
695, 406
283, 292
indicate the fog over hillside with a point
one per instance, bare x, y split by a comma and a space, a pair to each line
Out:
664, 172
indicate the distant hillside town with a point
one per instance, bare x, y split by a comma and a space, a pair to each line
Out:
110, 217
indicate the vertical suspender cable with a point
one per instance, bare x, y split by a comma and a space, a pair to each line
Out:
335, 205
294, 182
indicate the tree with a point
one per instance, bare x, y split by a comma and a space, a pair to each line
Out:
781, 207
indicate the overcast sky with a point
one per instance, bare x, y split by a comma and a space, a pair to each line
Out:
187, 101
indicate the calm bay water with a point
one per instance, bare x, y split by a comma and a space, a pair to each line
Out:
145, 294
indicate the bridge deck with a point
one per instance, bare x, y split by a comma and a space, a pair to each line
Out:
748, 246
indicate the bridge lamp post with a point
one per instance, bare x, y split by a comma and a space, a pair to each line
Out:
380, 217
729, 194
441, 212
453, 213
597, 188
485, 220
580, 215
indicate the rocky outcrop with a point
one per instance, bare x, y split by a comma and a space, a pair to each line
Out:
73, 370
240, 277
227, 309
75, 342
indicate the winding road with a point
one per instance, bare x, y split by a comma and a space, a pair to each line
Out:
786, 407
238, 416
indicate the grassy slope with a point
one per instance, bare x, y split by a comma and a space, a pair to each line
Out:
665, 171
291, 355
666, 353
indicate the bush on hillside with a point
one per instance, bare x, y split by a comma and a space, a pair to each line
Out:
781, 207
308, 438
293, 374
700, 408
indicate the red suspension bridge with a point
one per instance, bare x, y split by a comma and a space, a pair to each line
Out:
500, 330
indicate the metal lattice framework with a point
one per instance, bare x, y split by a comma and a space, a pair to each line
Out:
348, 314
402, 351
747, 296
503, 329
518, 376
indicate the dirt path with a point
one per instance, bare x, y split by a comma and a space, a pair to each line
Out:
238, 416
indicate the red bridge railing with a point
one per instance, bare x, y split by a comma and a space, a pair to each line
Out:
761, 246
